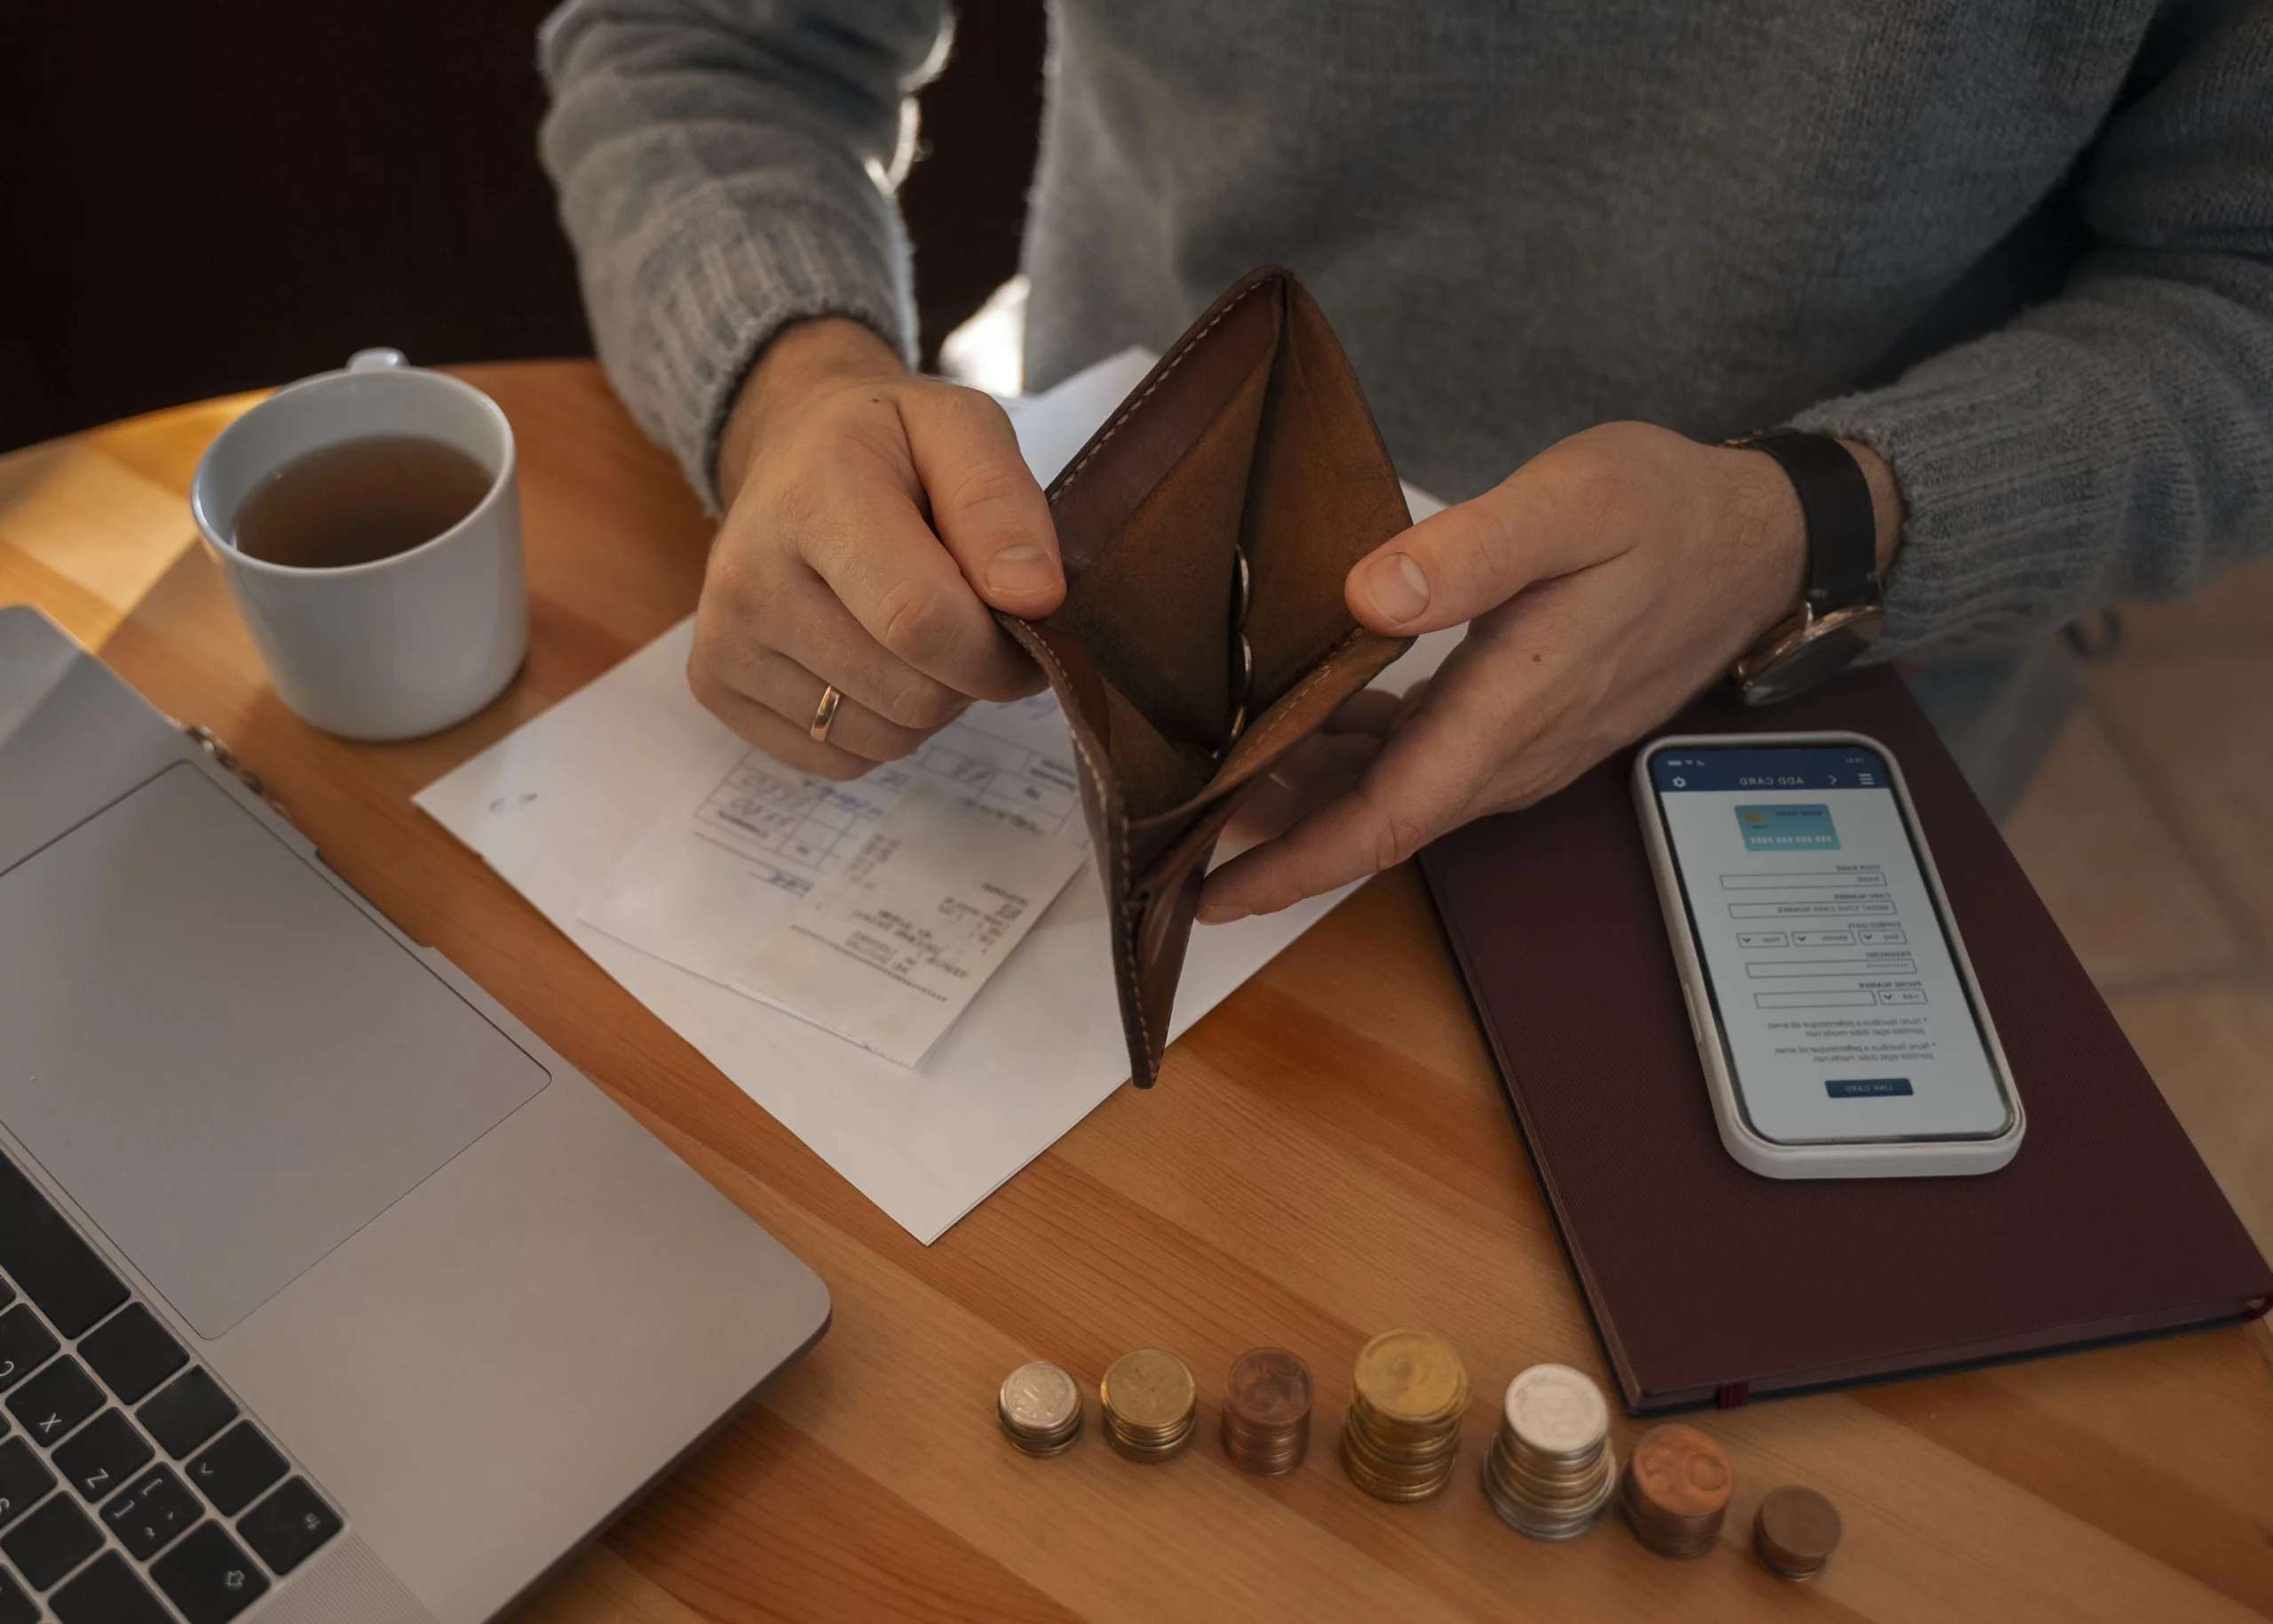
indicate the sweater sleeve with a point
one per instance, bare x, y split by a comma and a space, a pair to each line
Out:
725, 168
2115, 441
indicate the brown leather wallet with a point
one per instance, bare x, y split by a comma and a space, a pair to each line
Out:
1206, 531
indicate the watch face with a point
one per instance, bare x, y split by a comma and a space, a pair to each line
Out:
1821, 651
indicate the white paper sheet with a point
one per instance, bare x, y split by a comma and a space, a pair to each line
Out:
556, 806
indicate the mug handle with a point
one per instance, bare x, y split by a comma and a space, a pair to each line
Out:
376, 360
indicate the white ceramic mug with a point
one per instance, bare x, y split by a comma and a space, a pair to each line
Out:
404, 644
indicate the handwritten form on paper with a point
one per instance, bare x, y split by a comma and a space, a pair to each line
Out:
629, 803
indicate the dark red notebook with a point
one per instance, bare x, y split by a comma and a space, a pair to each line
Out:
1708, 1282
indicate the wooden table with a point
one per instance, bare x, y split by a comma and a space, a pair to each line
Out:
1327, 1156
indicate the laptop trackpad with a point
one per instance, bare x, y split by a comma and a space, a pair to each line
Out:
225, 1062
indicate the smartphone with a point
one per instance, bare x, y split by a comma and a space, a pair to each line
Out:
1841, 1029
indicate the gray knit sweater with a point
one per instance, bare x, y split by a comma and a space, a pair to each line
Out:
1529, 217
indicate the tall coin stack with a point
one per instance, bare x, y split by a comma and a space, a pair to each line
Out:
1405, 1402
1551, 1470
1267, 1411
1150, 1404
1677, 1488
1039, 1408
1796, 1531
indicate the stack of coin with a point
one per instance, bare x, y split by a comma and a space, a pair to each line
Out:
1267, 1411
1406, 1404
1039, 1408
1150, 1404
1551, 1470
1676, 1491
1796, 1531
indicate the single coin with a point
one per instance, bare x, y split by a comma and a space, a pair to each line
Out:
1683, 1471
1268, 1388
1557, 1409
1411, 1377
1039, 1397
1150, 1389
1801, 1527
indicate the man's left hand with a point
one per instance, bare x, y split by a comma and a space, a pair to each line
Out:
1607, 580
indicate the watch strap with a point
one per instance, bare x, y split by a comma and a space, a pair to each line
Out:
1835, 502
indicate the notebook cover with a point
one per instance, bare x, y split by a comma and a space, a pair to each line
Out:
1708, 1282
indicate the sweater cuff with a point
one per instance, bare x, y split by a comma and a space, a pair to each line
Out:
2015, 460
725, 274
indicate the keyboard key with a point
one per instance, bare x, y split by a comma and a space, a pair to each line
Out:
54, 1538
7, 1294
184, 1414
209, 1577
42, 1254
132, 1352
103, 1455
55, 1400
16, 1604
148, 1513
237, 1466
288, 1525
107, 1592
25, 1345
22, 1479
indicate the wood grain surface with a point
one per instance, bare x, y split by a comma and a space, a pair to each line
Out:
1327, 1156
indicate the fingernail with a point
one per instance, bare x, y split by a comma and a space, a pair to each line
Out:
1221, 913
1399, 589
1021, 569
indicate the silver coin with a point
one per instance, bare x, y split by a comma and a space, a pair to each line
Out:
1039, 1397
1556, 1410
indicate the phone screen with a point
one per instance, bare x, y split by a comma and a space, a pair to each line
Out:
1827, 960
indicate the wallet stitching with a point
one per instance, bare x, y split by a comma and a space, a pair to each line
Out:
1116, 849
1129, 410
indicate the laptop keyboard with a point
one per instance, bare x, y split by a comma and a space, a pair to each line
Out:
131, 1488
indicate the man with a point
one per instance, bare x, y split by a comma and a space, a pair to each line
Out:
1581, 242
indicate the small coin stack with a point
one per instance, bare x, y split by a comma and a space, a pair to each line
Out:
1796, 1531
1039, 1408
1150, 1405
1405, 1402
1551, 1471
1267, 1411
1677, 1489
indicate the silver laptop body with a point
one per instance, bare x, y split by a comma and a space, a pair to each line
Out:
437, 1309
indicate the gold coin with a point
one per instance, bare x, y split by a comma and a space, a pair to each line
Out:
1149, 1390
1412, 1376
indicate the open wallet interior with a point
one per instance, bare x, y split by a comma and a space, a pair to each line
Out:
1206, 531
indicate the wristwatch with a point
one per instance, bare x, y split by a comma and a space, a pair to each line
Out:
1841, 612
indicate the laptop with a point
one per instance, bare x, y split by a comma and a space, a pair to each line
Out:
327, 1291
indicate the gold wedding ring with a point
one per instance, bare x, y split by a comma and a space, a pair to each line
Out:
825, 713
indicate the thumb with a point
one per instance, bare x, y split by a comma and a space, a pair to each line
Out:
1454, 564
985, 505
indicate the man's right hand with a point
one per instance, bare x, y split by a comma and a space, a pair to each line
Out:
873, 520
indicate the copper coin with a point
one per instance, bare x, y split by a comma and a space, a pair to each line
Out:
1269, 1388
1683, 1471
1800, 1524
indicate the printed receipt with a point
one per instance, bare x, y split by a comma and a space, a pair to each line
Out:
892, 945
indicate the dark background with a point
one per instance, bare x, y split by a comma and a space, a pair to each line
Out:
209, 195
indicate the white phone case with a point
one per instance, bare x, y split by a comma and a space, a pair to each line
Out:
1876, 1158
